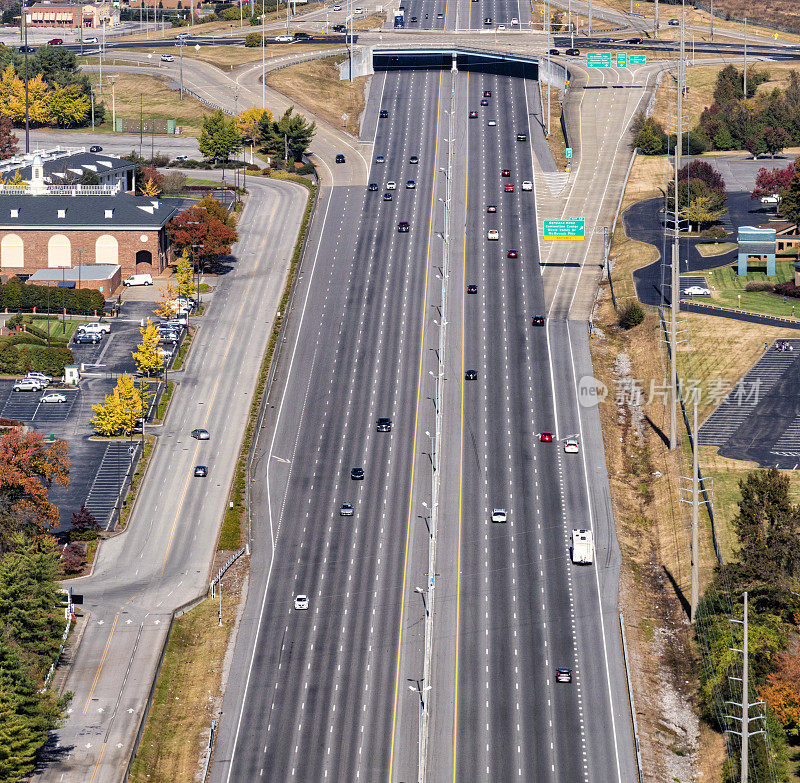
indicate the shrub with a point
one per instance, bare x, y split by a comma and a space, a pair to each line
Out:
84, 525
760, 285
715, 232
14, 295
787, 289
631, 314
174, 182
73, 559
252, 40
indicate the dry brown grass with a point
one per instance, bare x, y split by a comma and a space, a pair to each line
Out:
556, 142
316, 86
371, 22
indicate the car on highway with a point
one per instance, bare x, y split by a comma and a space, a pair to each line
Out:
571, 446
384, 424
346, 510
546, 437
696, 290
359, 10
492, 123
28, 384
493, 234
472, 289
387, 196
91, 40
473, 115
140, 279
181, 36
283, 39
500, 27
200, 471
487, 20
380, 159
440, 15
338, 28
53, 397
357, 474
512, 254
340, 158
413, 159
90, 338
508, 188
635, 40
471, 375
383, 114
413, 20
337, 8
537, 320
573, 52
55, 42
95, 148
167, 58
554, 51
674, 23
28, 49
391, 185
527, 185
372, 186
522, 137
301, 602
402, 227
200, 434
487, 93
499, 515
505, 173
484, 102
563, 674
45, 380
411, 184
491, 207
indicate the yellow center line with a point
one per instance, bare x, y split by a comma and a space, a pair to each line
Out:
416, 422
97, 763
460, 460
102, 662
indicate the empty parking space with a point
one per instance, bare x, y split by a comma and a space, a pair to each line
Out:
25, 406
112, 478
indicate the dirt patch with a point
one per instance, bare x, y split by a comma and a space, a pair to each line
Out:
556, 141
315, 85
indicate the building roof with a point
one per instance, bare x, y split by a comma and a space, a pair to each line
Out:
74, 163
76, 273
121, 211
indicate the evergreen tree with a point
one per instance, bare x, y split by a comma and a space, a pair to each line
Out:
219, 138
18, 744
289, 137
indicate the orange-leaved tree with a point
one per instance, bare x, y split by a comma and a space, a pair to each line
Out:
781, 690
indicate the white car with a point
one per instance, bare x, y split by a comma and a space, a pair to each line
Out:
337, 8
144, 279
45, 380
514, 21
391, 185
492, 123
571, 446
773, 200
284, 38
696, 290
493, 234
90, 40
167, 58
301, 602
28, 384
53, 397
501, 27
527, 185
95, 327
359, 10
498, 515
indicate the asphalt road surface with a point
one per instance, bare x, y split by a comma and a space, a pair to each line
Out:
162, 559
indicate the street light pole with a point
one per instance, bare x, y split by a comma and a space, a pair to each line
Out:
25, 46
263, 58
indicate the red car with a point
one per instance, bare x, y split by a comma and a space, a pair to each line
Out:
487, 93
509, 188
512, 253
546, 437
55, 42
505, 173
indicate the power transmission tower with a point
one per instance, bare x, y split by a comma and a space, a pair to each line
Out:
745, 704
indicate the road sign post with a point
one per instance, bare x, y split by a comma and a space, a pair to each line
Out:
569, 153
573, 228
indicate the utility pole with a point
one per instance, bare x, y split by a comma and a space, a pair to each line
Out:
27, 107
263, 59
113, 104
712, 20
655, 22
590, 18
91, 93
695, 520
549, 66
745, 695
180, 50
745, 58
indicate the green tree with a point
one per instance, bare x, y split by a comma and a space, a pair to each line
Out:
18, 743
699, 211
219, 138
146, 355
650, 138
291, 134
789, 207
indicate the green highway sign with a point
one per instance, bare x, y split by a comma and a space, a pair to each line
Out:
622, 60
569, 155
598, 59
637, 59
571, 228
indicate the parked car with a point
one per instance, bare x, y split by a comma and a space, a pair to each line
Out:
141, 279
53, 397
696, 290
91, 338
45, 380
27, 384
95, 326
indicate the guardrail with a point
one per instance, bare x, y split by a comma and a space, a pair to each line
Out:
630, 699
51, 671
215, 581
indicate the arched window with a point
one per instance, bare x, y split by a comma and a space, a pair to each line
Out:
59, 251
144, 261
11, 251
106, 250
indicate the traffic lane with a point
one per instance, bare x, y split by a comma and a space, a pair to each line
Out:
114, 144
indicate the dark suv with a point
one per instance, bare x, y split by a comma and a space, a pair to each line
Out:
340, 158
384, 114
357, 474
384, 424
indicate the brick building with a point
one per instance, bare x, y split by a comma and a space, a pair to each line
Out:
63, 226
72, 15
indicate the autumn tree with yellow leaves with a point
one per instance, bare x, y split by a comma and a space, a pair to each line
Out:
122, 409
146, 355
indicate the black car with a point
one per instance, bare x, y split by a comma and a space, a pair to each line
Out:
472, 289
471, 375
383, 114
357, 474
300, 34
340, 158
473, 115
95, 148
563, 674
413, 20
573, 52
384, 424
554, 51
28, 49
402, 227
87, 337
410, 185
488, 20
491, 208
372, 186
487, 93
484, 102
538, 320
201, 471
522, 137
635, 40
413, 159
387, 196
380, 159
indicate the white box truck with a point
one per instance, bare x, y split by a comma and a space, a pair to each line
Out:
582, 547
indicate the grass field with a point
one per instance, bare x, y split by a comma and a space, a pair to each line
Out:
712, 249
315, 85
135, 93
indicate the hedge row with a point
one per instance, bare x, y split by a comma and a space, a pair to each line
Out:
19, 359
15, 295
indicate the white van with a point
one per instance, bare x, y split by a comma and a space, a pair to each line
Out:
143, 279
